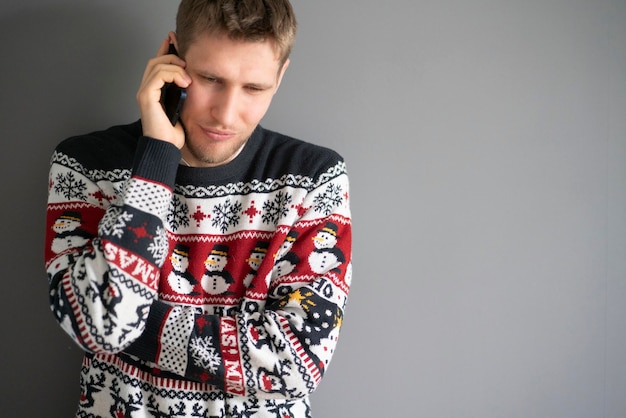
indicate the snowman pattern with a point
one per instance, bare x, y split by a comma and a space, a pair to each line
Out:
257, 255
179, 279
326, 257
216, 280
286, 260
285, 247
68, 232
286, 265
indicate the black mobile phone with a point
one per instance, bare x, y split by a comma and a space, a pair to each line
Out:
173, 97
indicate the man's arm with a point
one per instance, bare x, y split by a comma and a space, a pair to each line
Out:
104, 280
103, 253
275, 348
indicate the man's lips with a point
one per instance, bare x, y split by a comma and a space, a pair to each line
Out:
217, 134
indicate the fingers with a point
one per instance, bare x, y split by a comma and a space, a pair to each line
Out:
171, 65
162, 69
164, 47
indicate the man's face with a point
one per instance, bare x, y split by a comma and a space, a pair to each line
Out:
233, 83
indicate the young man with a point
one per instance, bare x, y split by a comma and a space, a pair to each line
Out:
203, 267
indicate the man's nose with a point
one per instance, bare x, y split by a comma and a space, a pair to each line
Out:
224, 109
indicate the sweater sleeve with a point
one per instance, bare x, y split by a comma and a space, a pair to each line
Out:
280, 347
105, 242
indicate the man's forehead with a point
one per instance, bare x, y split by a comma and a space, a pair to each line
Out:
219, 36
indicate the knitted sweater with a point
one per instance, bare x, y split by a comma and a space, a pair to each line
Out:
198, 292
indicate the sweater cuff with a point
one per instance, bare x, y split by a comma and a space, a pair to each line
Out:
156, 160
145, 347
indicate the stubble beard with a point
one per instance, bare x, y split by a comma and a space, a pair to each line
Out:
204, 155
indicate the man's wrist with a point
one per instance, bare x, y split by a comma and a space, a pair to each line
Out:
156, 160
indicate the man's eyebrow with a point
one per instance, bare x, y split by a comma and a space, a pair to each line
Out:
254, 84
262, 86
207, 74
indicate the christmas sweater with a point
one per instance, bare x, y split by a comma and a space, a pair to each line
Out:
198, 292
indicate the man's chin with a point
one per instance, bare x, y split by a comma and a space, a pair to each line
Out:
219, 154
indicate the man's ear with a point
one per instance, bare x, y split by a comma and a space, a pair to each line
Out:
173, 39
282, 73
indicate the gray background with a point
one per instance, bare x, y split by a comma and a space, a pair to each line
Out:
486, 142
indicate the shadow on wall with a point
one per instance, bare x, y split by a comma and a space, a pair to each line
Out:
65, 70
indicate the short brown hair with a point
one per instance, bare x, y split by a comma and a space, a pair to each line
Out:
245, 20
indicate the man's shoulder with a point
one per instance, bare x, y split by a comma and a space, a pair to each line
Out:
100, 149
297, 155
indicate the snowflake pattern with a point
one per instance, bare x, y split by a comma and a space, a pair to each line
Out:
70, 187
226, 215
159, 247
328, 200
178, 215
274, 209
203, 353
114, 222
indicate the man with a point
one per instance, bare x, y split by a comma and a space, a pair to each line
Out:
218, 186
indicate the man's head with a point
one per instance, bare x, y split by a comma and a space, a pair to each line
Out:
236, 53
240, 20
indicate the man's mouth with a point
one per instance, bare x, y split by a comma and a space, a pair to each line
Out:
218, 134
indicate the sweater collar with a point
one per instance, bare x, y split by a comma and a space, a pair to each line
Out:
232, 169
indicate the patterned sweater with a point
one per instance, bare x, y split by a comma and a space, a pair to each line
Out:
198, 292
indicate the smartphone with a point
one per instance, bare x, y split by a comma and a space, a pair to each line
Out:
173, 97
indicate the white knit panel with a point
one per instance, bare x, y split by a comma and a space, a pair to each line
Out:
148, 197
176, 331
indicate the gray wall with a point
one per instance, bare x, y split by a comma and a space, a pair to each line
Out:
486, 142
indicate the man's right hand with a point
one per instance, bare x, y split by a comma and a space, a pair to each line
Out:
164, 68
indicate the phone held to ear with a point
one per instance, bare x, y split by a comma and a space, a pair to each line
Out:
173, 97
